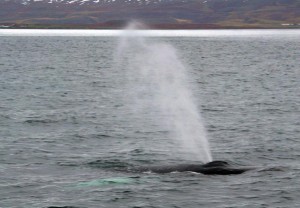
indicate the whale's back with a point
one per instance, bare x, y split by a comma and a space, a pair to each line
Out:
211, 168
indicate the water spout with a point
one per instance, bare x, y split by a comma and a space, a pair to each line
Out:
159, 84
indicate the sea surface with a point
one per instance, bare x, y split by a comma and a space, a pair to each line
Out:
73, 121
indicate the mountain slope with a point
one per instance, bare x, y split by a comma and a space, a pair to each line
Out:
179, 13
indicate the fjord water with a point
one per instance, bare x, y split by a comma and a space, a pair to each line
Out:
68, 123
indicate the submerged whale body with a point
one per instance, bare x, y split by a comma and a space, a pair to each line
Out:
211, 168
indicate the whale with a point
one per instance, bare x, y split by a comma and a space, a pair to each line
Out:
210, 168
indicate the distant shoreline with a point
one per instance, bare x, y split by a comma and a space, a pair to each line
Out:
153, 33
150, 27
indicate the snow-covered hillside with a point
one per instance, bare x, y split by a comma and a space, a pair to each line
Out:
94, 2
212, 13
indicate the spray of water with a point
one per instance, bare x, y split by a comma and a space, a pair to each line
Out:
158, 86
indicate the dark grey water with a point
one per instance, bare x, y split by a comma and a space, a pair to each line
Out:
65, 129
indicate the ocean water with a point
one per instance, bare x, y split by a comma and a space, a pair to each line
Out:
77, 109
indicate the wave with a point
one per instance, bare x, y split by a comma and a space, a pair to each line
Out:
42, 121
63, 207
104, 163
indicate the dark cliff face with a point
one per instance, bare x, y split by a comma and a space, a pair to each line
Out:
230, 12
